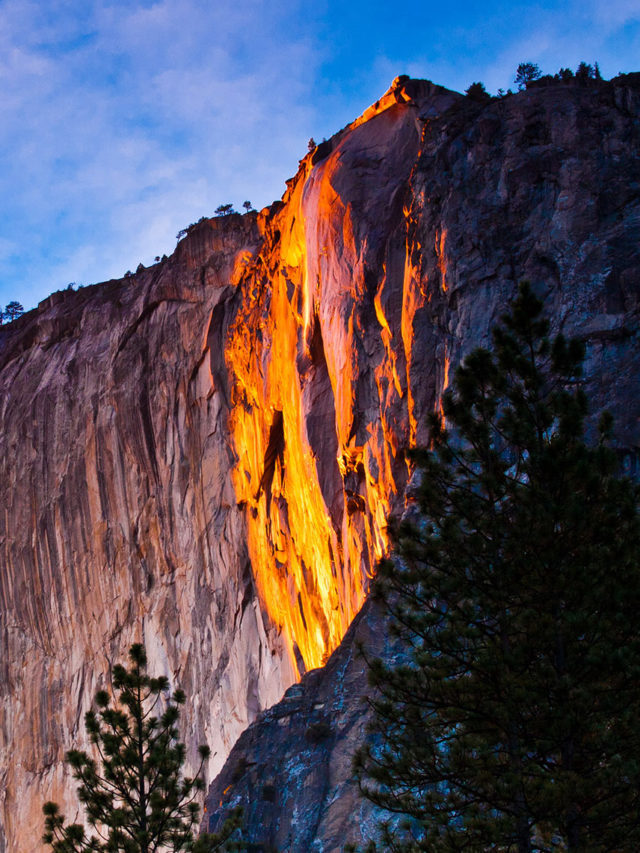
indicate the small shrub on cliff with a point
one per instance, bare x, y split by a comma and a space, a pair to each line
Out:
514, 721
477, 92
586, 72
12, 311
135, 797
565, 75
526, 73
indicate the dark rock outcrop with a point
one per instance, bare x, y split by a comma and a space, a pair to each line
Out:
291, 770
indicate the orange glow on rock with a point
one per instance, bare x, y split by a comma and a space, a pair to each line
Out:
318, 479
294, 548
445, 385
413, 300
441, 243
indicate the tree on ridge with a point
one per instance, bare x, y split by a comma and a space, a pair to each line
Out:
526, 73
12, 311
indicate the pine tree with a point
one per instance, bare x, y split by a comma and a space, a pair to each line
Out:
477, 92
526, 73
137, 800
514, 722
12, 311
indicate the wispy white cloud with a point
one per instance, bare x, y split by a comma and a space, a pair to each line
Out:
612, 14
122, 121
123, 125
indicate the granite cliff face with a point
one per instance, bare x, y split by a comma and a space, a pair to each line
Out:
202, 456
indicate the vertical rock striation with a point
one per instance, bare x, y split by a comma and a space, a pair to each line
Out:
119, 522
202, 456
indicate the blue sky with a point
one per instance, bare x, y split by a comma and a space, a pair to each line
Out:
123, 122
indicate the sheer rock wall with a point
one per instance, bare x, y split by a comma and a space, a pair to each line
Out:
202, 455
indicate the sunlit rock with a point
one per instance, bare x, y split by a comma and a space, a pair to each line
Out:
202, 456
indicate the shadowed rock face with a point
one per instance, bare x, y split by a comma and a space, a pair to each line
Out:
291, 770
202, 456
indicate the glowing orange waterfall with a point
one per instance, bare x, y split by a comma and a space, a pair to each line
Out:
316, 503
